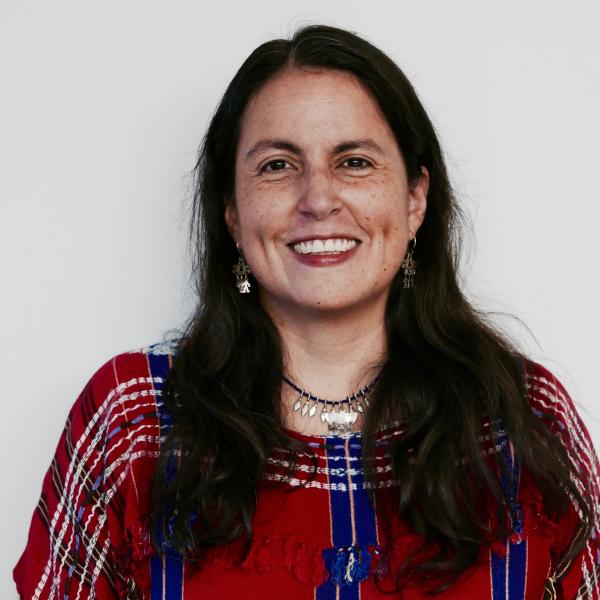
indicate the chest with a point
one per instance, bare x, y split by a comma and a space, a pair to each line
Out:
318, 536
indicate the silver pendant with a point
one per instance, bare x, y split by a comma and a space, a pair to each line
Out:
340, 422
339, 415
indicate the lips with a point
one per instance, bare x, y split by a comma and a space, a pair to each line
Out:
324, 246
324, 251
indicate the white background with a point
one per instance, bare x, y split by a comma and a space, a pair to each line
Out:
102, 109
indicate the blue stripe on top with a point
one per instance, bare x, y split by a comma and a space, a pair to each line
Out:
167, 576
509, 572
353, 526
166, 570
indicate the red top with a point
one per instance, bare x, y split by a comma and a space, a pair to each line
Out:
89, 537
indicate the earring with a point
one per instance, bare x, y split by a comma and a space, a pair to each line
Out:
241, 271
409, 265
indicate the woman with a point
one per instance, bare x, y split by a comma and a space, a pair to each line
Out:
336, 421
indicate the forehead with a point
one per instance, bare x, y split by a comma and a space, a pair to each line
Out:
310, 103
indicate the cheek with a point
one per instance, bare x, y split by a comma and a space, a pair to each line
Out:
263, 218
392, 235
389, 221
253, 234
251, 218
260, 238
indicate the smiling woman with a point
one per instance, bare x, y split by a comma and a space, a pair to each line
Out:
429, 455
325, 186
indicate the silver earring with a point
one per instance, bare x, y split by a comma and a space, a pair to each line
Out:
241, 271
409, 265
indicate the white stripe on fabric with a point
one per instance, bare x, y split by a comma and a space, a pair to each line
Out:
582, 453
73, 478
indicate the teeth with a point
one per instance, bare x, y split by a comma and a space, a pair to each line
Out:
329, 245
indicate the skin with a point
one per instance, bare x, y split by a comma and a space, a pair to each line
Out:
330, 318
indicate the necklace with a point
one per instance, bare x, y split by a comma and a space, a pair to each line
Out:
339, 415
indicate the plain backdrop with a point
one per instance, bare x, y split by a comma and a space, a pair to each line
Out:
102, 107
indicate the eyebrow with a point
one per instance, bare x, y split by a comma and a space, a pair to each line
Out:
356, 144
282, 144
277, 144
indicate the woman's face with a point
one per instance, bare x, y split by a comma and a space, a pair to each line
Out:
323, 211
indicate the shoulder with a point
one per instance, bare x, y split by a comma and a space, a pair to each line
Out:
95, 493
114, 429
120, 409
137, 367
125, 380
121, 380
122, 398
551, 402
542, 382
122, 425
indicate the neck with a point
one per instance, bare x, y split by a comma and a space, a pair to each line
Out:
332, 354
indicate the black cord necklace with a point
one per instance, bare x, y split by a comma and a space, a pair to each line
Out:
339, 415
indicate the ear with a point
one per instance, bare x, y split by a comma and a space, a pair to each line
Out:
231, 219
417, 201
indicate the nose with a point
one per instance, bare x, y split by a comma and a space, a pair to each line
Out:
319, 197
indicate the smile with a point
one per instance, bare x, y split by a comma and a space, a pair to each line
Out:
324, 247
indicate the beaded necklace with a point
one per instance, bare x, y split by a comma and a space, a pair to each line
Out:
339, 415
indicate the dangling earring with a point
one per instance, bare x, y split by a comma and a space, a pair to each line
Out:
241, 271
409, 265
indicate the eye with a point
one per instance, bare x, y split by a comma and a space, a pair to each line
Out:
356, 162
274, 165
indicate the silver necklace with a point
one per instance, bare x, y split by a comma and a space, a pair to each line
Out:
339, 415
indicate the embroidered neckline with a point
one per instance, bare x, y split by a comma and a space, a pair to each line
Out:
322, 436
392, 428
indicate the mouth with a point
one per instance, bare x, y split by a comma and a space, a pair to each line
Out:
324, 247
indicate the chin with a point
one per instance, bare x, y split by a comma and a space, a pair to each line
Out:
332, 300
321, 307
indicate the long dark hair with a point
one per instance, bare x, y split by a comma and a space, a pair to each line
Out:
446, 368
